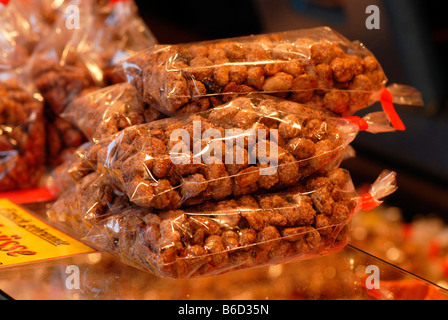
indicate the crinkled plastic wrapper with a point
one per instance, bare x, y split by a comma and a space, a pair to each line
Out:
22, 136
106, 111
304, 222
74, 60
20, 32
247, 145
313, 66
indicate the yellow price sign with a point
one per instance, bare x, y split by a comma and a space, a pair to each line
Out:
26, 238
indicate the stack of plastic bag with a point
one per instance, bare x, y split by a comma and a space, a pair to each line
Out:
191, 159
221, 155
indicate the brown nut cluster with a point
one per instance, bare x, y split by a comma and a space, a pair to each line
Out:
106, 111
217, 237
336, 75
248, 145
22, 137
59, 84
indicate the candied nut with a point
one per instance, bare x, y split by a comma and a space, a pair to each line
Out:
151, 234
266, 151
228, 218
268, 177
302, 214
196, 88
198, 236
140, 192
325, 153
232, 90
313, 238
344, 69
229, 240
323, 201
339, 177
255, 77
318, 183
268, 237
253, 217
245, 119
246, 237
196, 256
315, 129
209, 226
370, 63
274, 218
290, 126
238, 74
247, 201
235, 51
193, 185
294, 234
223, 116
236, 159
221, 75
293, 67
272, 67
324, 76
337, 101
177, 89
281, 81
160, 165
281, 251
302, 88
213, 244
360, 90
273, 201
168, 235
219, 181
201, 67
340, 213
288, 169
325, 52
301, 148
247, 176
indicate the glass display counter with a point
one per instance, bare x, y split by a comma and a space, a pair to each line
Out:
348, 274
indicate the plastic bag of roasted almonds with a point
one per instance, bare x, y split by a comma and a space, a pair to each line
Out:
77, 59
20, 32
307, 221
247, 145
74, 58
106, 111
313, 66
22, 135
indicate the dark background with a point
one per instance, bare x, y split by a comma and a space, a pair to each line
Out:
411, 45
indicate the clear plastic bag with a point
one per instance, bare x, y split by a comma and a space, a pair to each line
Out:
316, 66
245, 146
20, 32
307, 221
106, 111
78, 59
22, 135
